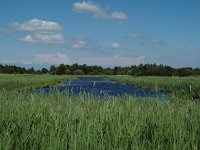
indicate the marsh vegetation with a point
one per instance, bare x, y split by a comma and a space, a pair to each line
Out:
58, 121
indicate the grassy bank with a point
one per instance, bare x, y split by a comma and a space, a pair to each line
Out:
27, 82
57, 121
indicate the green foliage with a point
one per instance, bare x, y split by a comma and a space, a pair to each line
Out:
141, 70
61, 70
44, 71
78, 72
68, 72
57, 121
53, 70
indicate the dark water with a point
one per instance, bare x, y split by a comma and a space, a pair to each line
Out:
102, 87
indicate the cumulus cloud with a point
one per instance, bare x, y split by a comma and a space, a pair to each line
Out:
79, 43
116, 45
40, 31
44, 38
115, 60
97, 11
52, 59
91, 7
37, 25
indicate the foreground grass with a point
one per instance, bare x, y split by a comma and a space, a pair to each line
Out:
181, 87
57, 121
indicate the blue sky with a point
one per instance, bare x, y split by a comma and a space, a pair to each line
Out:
107, 32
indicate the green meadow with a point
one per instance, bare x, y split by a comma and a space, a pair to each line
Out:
57, 121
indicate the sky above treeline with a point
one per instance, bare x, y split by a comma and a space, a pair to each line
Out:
108, 33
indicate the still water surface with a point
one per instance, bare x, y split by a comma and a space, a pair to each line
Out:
102, 87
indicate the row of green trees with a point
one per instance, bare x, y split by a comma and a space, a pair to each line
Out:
76, 69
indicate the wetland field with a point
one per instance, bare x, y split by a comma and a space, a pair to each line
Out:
57, 120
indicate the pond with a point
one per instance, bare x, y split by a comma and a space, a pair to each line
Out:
101, 87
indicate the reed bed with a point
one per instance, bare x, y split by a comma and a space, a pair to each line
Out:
58, 121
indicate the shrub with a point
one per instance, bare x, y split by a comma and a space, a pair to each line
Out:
78, 72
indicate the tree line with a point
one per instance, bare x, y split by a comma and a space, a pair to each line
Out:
76, 69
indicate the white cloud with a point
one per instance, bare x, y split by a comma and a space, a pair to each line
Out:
45, 32
116, 45
119, 15
44, 38
115, 60
97, 11
28, 38
91, 7
52, 59
37, 25
79, 43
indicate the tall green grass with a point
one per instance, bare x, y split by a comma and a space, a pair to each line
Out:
57, 121
27, 82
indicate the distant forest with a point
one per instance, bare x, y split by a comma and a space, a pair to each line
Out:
75, 69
